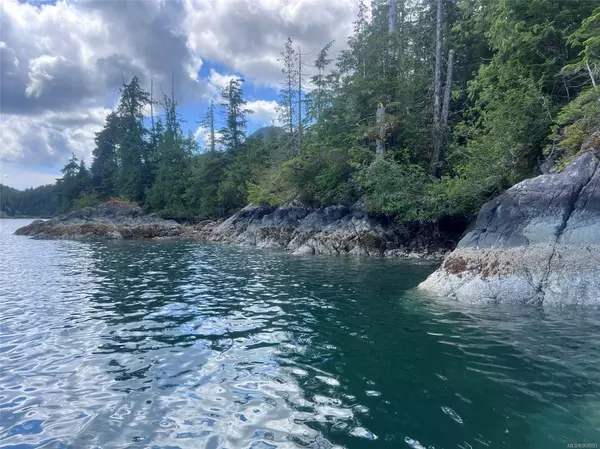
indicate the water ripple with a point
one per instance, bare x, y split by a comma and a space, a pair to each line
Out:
174, 344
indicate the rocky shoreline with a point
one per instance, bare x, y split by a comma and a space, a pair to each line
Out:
111, 220
538, 243
301, 230
334, 230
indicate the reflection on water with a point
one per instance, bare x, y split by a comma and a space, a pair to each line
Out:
188, 345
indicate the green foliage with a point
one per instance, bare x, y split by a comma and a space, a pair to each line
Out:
316, 176
105, 167
38, 202
396, 189
167, 196
587, 37
504, 129
521, 76
234, 132
411, 194
75, 182
207, 174
86, 200
134, 175
575, 123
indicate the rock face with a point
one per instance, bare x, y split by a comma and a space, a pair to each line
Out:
112, 220
336, 230
539, 242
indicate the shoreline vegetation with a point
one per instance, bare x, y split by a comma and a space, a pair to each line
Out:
432, 110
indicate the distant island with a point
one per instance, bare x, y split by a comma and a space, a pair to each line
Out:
38, 202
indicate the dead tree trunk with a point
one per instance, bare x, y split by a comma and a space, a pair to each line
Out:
438, 64
437, 90
380, 149
441, 130
152, 105
299, 100
587, 64
447, 91
212, 127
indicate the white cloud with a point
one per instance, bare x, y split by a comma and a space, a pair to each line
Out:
248, 35
49, 138
265, 113
60, 64
202, 136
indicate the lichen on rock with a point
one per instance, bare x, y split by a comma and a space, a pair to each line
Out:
539, 242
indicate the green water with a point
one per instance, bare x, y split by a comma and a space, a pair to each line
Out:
190, 345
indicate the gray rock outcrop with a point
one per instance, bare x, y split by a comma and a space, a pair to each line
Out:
539, 242
112, 220
335, 230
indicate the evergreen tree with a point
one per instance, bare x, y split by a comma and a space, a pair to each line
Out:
208, 170
587, 37
38, 202
318, 98
208, 122
133, 149
168, 193
234, 132
75, 182
287, 92
105, 166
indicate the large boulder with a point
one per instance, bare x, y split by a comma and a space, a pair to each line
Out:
539, 242
111, 220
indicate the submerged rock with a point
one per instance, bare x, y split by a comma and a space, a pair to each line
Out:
539, 242
112, 220
335, 230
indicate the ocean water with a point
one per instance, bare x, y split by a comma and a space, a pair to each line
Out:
149, 344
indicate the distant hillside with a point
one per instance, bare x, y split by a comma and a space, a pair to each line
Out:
267, 132
38, 202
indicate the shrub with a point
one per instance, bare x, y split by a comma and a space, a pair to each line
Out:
576, 122
87, 200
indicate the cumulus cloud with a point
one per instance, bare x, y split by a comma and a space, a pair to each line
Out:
216, 82
61, 64
43, 139
265, 113
248, 35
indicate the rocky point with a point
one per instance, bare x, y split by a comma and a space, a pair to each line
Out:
112, 220
539, 242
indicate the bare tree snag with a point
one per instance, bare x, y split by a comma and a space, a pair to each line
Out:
380, 149
447, 90
587, 64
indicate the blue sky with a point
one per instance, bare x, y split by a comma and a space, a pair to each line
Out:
61, 64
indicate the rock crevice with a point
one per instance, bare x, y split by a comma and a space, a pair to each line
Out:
532, 243
334, 230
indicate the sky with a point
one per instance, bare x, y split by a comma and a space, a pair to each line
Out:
62, 63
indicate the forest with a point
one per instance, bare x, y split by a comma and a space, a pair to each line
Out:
434, 107
38, 202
